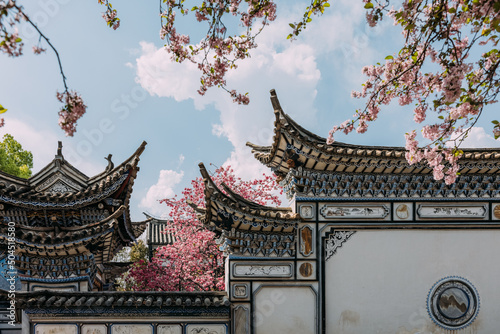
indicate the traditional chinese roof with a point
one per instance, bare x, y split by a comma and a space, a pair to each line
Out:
66, 222
247, 228
313, 153
157, 236
60, 185
226, 210
50, 241
311, 167
75, 304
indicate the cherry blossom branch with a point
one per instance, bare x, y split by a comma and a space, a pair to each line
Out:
443, 33
11, 44
48, 42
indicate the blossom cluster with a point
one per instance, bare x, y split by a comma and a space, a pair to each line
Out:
71, 112
10, 41
11, 44
194, 262
38, 50
217, 53
110, 15
436, 71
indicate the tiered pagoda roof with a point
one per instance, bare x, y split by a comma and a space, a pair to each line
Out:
64, 219
60, 185
247, 228
311, 167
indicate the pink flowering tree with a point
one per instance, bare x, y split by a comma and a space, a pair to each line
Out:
11, 44
447, 68
194, 262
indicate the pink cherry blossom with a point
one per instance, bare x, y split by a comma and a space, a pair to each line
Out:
435, 70
73, 110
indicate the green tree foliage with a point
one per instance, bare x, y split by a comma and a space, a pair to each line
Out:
139, 251
13, 159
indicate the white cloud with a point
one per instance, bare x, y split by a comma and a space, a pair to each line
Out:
291, 68
161, 76
164, 188
181, 160
478, 138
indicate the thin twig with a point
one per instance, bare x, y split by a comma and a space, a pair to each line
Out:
48, 42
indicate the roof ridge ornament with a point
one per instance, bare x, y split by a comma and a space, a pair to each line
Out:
59, 150
59, 159
110, 165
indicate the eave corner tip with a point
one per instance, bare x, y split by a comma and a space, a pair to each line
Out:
275, 102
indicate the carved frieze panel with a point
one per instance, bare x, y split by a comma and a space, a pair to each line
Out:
55, 329
60, 187
450, 211
403, 211
334, 241
307, 211
58, 183
345, 211
256, 244
131, 329
169, 329
268, 270
306, 241
94, 329
61, 267
206, 329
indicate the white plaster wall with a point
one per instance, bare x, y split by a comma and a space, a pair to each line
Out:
378, 281
285, 310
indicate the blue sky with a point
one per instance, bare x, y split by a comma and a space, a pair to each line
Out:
134, 92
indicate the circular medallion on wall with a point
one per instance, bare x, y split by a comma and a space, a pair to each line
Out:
402, 211
496, 211
453, 303
306, 269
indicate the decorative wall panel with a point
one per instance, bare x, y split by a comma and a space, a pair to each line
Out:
341, 211
56, 329
241, 319
262, 270
470, 211
306, 241
169, 329
131, 329
94, 329
206, 329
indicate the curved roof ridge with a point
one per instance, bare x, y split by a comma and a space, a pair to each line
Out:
59, 163
294, 147
129, 160
236, 197
253, 205
220, 204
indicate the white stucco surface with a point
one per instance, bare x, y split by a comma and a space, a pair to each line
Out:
378, 281
285, 310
